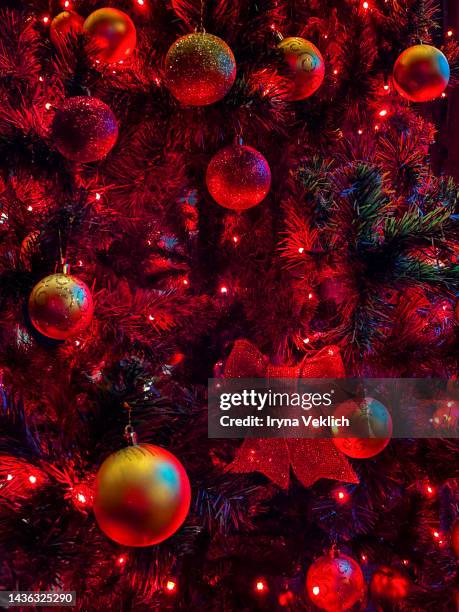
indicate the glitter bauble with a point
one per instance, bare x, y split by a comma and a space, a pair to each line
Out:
67, 23
335, 583
238, 177
370, 421
389, 584
84, 129
421, 73
306, 67
142, 495
60, 306
200, 69
112, 35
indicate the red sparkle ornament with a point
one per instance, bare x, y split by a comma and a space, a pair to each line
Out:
112, 35
389, 584
238, 177
367, 417
306, 66
84, 129
65, 24
200, 69
421, 73
335, 582
142, 495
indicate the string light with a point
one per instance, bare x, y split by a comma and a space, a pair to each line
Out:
306, 340
341, 496
121, 560
98, 196
224, 290
301, 250
45, 19
9, 477
360, 132
315, 590
235, 239
48, 105
386, 87
363, 558
171, 586
449, 33
383, 112
310, 296
32, 479
366, 5
185, 281
260, 586
66, 3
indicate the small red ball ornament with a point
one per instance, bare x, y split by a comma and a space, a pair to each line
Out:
389, 584
306, 66
335, 583
67, 23
60, 306
112, 35
421, 73
367, 417
238, 177
200, 69
142, 495
84, 129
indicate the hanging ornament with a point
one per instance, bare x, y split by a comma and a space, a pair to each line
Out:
335, 582
368, 417
67, 23
421, 73
200, 69
389, 584
84, 129
446, 416
455, 538
306, 67
142, 495
238, 177
60, 306
112, 35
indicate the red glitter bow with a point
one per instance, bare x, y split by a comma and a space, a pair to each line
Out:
309, 459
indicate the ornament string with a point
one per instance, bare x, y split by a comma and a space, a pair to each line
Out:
129, 432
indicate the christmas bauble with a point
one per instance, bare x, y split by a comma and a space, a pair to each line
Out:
84, 129
60, 306
335, 583
370, 421
65, 24
238, 177
112, 35
446, 416
455, 538
306, 66
421, 73
389, 584
200, 69
142, 495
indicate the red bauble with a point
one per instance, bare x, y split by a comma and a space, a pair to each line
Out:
446, 416
335, 583
306, 66
60, 306
367, 417
421, 73
65, 24
84, 129
200, 69
112, 35
389, 584
142, 495
455, 538
238, 177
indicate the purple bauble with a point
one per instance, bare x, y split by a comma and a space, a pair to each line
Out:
84, 129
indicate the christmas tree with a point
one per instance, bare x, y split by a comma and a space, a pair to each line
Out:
175, 210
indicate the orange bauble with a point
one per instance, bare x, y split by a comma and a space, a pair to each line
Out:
335, 583
60, 306
367, 417
421, 73
67, 23
142, 495
112, 35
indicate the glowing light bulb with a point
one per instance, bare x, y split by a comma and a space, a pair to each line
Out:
185, 281
449, 33
341, 495
335, 71
383, 112
29, 208
366, 5
436, 534
151, 317
45, 19
171, 585
121, 560
66, 3
32, 479
386, 87
48, 105
306, 340
77, 343
235, 239
360, 132
81, 498
315, 590
301, 250
224, 290
98, 196
9, 477
310, 296
363, 557
141, 2
260, 586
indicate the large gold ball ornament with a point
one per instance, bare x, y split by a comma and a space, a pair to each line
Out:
142, 495
200, 69
421, 73
112, 35
60, 306
306, 67
65, 24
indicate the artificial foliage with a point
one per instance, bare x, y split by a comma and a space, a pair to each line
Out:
354, 246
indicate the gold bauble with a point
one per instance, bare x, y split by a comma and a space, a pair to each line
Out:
142, 495
200, 69
60, 306
306, 67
